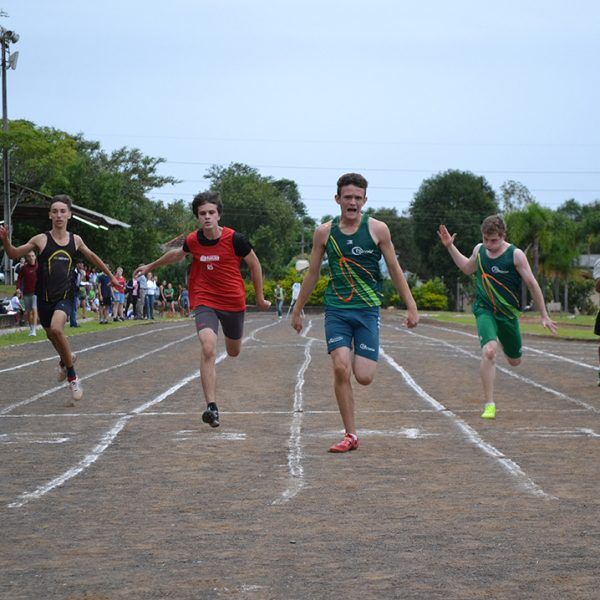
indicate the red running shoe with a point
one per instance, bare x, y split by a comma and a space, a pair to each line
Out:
347, 444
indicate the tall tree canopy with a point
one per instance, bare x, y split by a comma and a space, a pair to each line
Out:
261, 209
458, 199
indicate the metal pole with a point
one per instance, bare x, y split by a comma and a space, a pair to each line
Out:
8, 274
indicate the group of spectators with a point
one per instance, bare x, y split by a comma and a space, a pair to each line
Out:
136, 298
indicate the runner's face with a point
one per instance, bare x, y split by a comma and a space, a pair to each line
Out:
59, 214
30, 257
493, 242
208, 216
351, 200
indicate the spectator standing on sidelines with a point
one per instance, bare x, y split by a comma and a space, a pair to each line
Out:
150, 296
596, 276
26, 282
105, 297
279, 298
142, 286
184, 301
118, 293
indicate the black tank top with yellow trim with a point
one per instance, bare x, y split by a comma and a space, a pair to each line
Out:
56, 272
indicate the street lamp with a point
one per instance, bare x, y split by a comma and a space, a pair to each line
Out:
8, 61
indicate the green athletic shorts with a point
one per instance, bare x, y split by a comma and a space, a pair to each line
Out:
507, 332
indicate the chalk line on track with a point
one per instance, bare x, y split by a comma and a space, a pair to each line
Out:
119, 340
45, 393
472, 436
108, 437
528, 348
506, 371
295, 468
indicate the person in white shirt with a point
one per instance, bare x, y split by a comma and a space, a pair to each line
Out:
151, 289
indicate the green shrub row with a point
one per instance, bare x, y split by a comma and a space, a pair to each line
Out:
431, 295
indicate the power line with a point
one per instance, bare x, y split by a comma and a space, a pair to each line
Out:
238, 140
389, 170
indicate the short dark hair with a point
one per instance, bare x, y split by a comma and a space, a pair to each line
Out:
493, 224
207, 198
352, 179
62, 198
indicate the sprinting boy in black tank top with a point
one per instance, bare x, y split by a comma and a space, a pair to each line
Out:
56, 281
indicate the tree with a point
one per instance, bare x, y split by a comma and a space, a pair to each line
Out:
515, 196
401, 230
256, 207
460, 200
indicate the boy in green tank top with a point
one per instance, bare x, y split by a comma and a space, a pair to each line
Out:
499, 268
354, 243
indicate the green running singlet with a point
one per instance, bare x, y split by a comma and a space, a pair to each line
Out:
355, 277
498, 284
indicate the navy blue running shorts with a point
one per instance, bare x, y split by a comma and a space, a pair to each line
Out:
356, 328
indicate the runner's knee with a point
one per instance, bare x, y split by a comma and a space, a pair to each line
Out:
489, 351
341, 370
513, 362
364, 378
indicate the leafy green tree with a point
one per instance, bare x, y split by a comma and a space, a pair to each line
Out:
40, 157
515, 196
256, 207
460, 200
401, 230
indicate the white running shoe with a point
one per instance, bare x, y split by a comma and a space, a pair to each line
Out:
76, 389
61, 371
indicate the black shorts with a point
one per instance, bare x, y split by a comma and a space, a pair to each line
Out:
47, 309
597, 327
231, 322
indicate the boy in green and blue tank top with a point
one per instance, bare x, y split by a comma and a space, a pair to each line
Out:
354, 243
499, 268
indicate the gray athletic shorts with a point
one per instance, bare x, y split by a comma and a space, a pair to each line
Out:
231, 322
30, 302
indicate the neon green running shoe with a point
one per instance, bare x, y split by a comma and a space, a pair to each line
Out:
489, 412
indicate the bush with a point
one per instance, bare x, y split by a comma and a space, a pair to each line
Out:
580, 291
432, 295
315, 299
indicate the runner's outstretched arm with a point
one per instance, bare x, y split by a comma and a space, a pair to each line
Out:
168, 258
257, 280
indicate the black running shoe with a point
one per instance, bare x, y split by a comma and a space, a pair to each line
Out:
211, 415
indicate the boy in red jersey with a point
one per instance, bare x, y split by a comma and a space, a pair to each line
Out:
216, 288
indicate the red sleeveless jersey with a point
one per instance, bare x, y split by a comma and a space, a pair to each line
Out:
215, 278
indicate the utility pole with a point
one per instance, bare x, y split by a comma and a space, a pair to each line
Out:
8, 61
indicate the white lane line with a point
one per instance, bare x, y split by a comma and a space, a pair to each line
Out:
117, 341
106, 440
35, 438
472, 436
228, 436
410, 433
45, 393
294, 458
506, 371
397, 411
528, 348
552, 432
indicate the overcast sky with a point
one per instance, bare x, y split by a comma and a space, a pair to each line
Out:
308, 90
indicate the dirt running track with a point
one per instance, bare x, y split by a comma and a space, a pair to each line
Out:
129, 495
